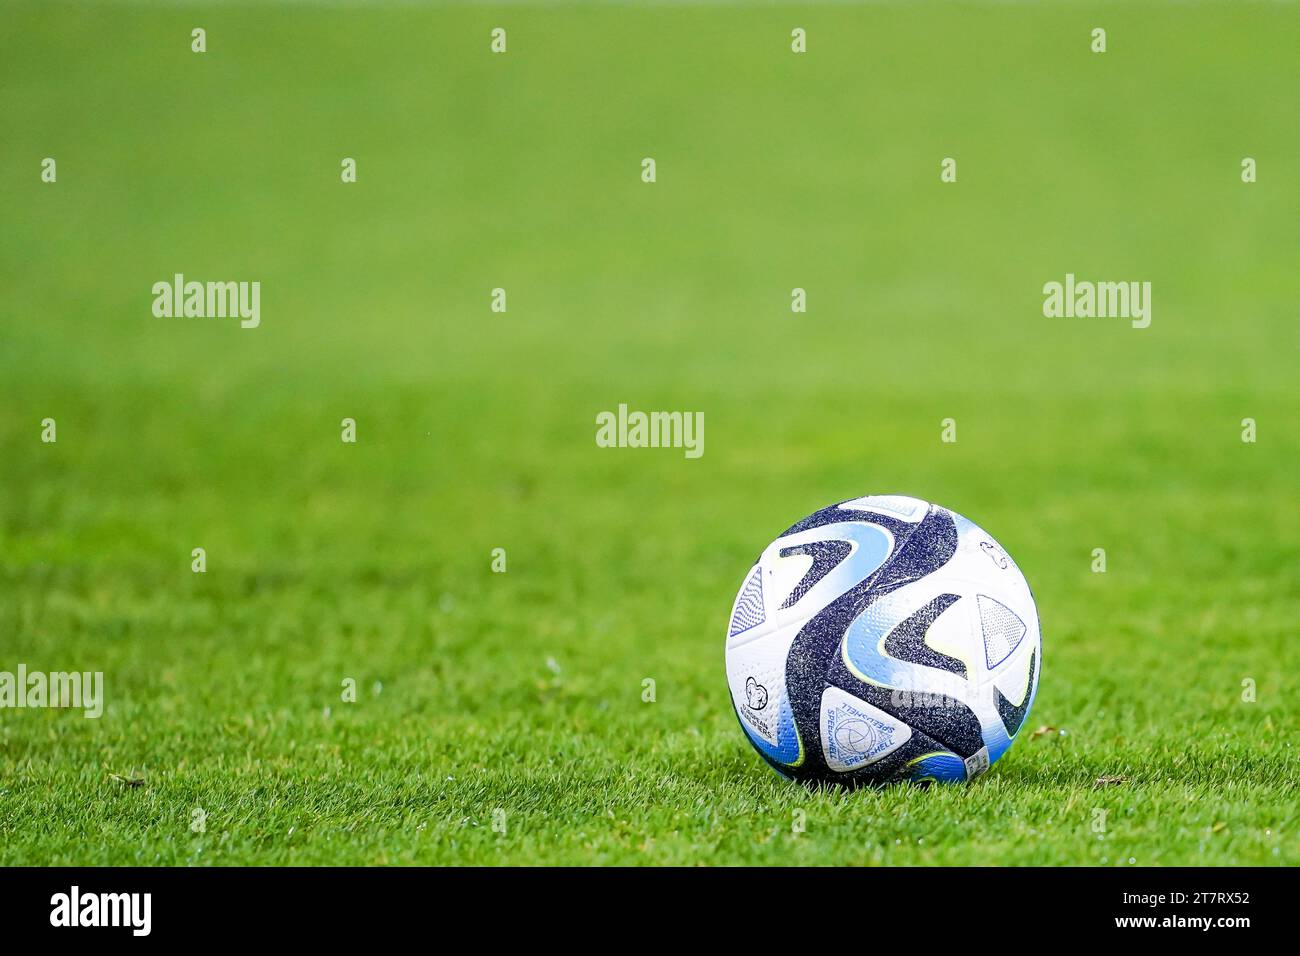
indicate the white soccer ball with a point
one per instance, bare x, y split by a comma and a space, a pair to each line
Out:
883, 639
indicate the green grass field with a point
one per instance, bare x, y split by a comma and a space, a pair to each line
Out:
522, 692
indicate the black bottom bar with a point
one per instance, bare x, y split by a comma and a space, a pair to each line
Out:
334, 906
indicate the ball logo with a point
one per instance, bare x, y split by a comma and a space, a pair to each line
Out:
855, 736
996, 554
755, 694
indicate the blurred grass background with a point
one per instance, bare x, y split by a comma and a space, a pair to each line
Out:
476, 430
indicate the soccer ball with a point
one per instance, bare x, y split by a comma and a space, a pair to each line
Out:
883, 639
